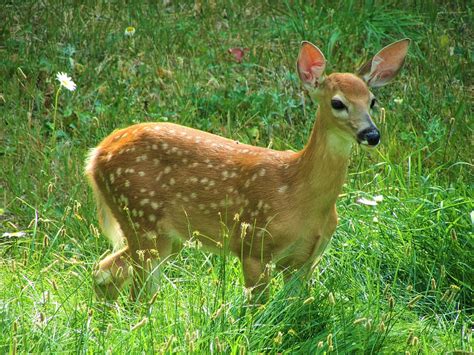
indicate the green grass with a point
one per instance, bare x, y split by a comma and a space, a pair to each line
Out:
398, 277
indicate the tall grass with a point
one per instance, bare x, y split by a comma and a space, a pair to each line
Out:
398, 277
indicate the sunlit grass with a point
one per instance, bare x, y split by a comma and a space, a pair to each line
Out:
398, 276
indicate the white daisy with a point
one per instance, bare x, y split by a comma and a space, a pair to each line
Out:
129, 31
66, 81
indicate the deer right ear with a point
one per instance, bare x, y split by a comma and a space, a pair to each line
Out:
311, 64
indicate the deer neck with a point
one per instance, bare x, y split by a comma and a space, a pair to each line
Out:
322, 164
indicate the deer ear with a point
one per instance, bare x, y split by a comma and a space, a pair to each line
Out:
311, 64
386, 64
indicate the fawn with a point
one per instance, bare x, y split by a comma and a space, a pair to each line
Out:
156, 183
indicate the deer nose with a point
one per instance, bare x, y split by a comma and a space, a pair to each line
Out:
369, 136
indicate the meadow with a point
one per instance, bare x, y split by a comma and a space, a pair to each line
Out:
398, 276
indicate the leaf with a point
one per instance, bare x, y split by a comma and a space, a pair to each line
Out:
238, 53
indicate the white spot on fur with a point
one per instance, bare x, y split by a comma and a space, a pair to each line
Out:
193, 195
151, 217
262, 172
141, 173
282, 189
226, 202
172, 181
154, 205
124, 200
127, 183
164, 145
140, 213
167, 170
144, 201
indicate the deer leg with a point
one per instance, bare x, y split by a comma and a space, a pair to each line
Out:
147, 261
111, 274
257, 277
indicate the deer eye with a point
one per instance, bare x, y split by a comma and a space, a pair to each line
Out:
338, 104
373, 103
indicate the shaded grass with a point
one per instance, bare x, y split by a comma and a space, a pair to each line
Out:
397, 277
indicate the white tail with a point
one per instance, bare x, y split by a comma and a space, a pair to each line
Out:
156, 183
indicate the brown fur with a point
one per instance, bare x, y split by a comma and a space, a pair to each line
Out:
157, 183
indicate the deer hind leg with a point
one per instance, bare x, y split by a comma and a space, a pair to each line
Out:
111, 273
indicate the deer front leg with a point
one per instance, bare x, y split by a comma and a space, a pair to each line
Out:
296, 280
147, 261
111, 274
257, 276
298, 270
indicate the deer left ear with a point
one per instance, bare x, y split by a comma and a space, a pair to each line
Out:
311, 64
386, 64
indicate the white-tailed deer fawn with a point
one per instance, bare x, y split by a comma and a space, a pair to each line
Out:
156, 183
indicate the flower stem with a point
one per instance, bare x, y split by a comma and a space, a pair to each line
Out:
55, 113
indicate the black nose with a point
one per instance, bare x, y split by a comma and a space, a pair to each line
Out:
369, 135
